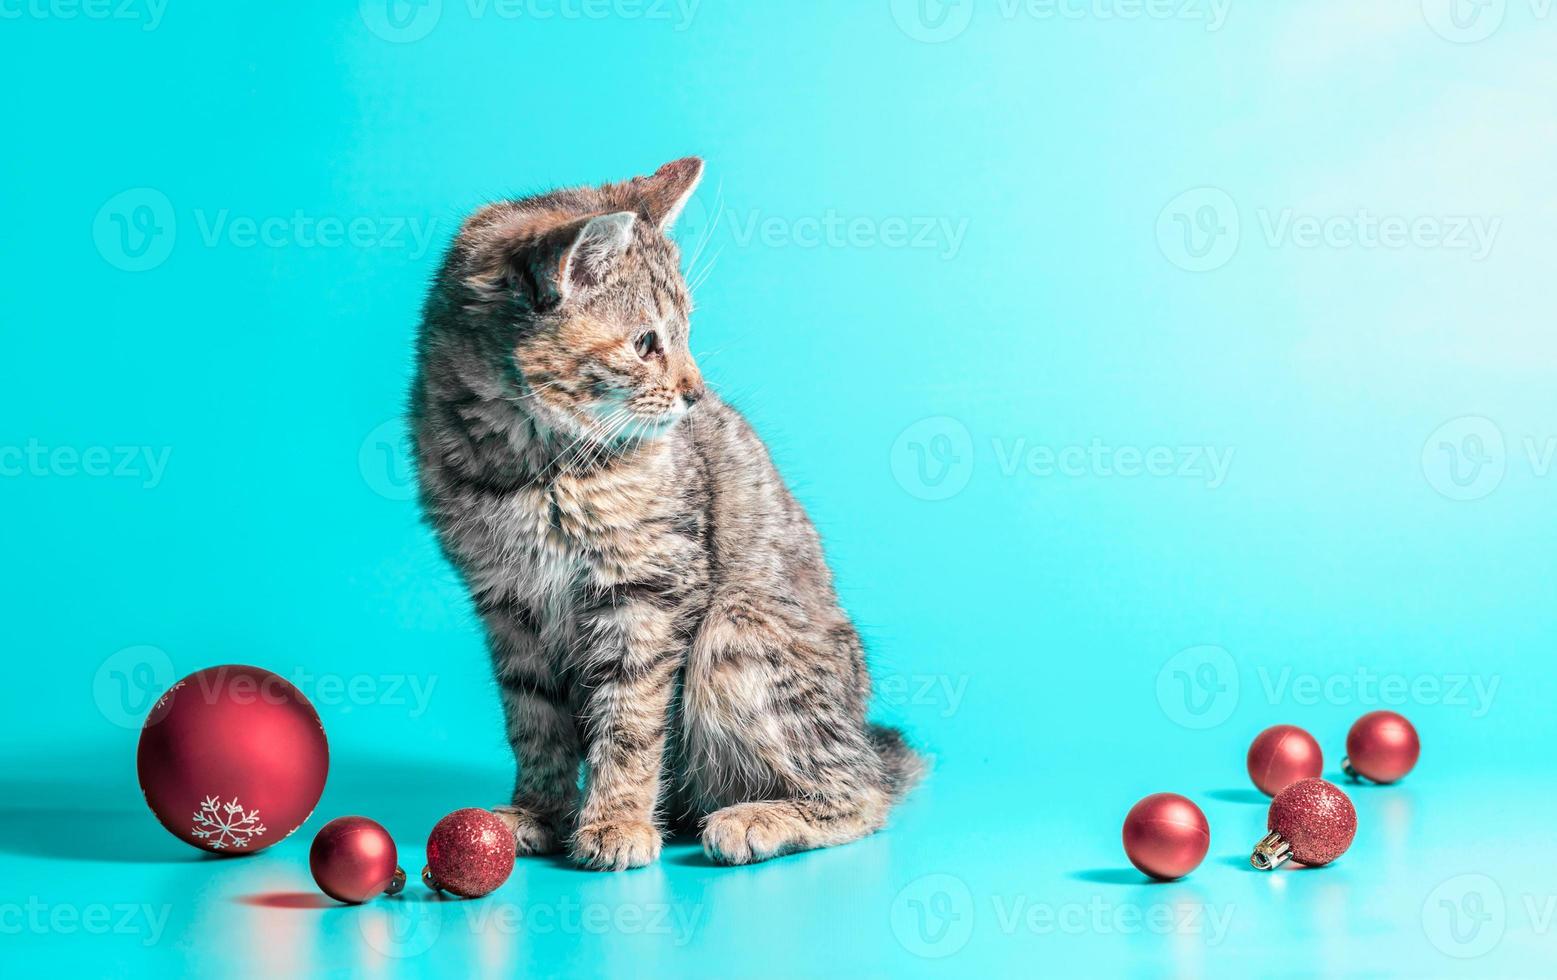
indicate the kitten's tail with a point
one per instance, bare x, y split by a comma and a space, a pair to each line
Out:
904, 766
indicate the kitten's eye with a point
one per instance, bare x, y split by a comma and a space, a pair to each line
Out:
647, 344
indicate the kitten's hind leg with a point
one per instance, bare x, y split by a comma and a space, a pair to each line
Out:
776, 723
748, 832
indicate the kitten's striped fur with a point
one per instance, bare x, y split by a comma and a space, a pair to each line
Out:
656, 602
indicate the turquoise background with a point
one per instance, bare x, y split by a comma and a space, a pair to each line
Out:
958, 257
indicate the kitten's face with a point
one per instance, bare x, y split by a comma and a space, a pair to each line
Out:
616, 367
588, 287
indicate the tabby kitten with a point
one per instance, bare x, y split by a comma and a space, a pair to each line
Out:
656, 603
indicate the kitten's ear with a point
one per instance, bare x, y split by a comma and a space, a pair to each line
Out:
574, 257
663, 195
600, 241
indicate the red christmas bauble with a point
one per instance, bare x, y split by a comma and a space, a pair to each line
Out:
1315, 821
232, 759
470, 853
1383, 746
353, 859
1166, 836
1283, 754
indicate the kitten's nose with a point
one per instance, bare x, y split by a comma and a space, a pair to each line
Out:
692, 387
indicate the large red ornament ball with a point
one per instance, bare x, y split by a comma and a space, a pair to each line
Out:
470, 853
1383, 746
1315, 818
1166, 836
232, 759
353, 859
1283, 754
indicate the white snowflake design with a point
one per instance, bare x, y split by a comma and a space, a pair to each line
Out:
223, 825
166, 695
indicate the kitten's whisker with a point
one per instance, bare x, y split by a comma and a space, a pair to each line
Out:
564, 457
701, 277
708, 229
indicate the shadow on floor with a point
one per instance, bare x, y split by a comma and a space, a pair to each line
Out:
1239, 796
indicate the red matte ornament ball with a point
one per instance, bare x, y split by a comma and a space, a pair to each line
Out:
232, 759
470, 853
353, 859
1382, 746
1281, 755
1166, 836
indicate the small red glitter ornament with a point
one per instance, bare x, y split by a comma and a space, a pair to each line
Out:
353, 860
1283, 754
1311, 821
470, 853
1166, 836
232, 759
1382, 746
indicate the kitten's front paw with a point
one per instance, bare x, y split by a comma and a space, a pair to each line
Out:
749, 832
532, 835
616, 845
